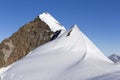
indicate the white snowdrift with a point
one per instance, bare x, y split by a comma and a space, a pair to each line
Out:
72, 56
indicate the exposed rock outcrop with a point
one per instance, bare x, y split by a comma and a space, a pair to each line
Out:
23, 41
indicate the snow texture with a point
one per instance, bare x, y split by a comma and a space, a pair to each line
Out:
72, 56
2, 70
51, 22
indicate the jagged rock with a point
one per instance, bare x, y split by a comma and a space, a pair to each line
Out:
23, 41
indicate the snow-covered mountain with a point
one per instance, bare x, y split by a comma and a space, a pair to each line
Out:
30, 36
115, 58
71, 56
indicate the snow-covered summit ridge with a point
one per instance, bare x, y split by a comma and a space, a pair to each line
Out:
50, 60
91, 51
72, 56
51, 21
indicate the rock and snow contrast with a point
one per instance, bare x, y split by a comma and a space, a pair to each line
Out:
71, 56
28, 37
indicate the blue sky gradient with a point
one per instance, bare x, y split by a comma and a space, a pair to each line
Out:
98, 19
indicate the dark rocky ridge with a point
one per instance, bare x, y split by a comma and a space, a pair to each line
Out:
27, 38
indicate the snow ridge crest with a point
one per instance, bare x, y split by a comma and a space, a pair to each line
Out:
71, 56
51, 22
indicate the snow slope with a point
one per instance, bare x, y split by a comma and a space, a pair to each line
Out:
110, 76
51, 22
2, 70
72, 56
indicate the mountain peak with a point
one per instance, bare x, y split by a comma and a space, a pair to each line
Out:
51, 22
91, 50
69, 54
75, 25
35, 33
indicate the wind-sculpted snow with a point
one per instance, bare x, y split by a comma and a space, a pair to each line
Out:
71, 56
51, 59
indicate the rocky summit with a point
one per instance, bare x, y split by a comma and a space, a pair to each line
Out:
27, 38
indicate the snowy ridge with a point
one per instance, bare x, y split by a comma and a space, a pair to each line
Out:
71, 56
51, 22
63, 54
93, 51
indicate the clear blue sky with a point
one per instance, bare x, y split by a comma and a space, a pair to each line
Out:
98, 19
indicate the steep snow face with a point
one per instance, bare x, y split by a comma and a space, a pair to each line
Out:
51, 22
94, 52
51, 59
72, 56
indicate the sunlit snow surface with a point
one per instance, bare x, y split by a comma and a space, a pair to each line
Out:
72, 56
51, 22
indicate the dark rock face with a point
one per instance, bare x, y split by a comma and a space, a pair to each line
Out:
115, 58
55, 35
23, 41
